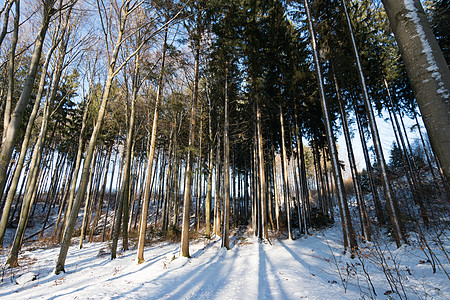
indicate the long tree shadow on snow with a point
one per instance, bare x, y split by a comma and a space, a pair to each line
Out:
319, 275
107, 261
194, 284
264, 287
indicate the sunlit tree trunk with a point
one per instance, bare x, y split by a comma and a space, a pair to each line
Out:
87, 201
98, 210
6, 10
11, 63
275, 190
24, 148
189, 158
363, 216
143, 219
286, 193
209, 184
125, 191
33, 178
427, 71
90, 150
226, 172
264, 232
16, 117
376, 138
346, 219
216, 228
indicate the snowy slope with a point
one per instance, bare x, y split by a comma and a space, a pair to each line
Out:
304, 268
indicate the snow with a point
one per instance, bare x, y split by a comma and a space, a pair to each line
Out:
413, 15
312, 267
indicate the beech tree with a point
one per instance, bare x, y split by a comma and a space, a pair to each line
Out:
427, 70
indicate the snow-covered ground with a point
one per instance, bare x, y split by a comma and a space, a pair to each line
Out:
313, 267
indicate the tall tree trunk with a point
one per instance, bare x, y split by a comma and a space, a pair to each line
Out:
365, 225
216, 228
90, 150
143, 222
6, 8
346, 219
427, 71
12, 55
226, 173
125, 191
87, 201
376, 138
98, 210
16, 117
80, 149
408, 159
264, 232
275, 190
287, 196
105, 222
376, 199
209, 189
24, 147
189, 159
29, 190
199, 172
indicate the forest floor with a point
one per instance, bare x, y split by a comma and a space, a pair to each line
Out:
312, 267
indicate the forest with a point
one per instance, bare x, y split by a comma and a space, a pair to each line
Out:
210, 146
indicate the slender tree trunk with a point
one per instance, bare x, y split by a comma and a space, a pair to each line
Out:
408, 159
7, 8
189, 159
261, 174
275, 191
90, 150
287, 196
346, 219
125, 191
87, 201
376, 139
12, 55
105, 222
216, 229
364, 218
376, 199
29, 190
143, 222
199, 180
98, 210
16, 117
79, 151
299, 150
24, 147
226, 173
209, 190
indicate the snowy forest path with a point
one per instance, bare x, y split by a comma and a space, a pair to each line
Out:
249, 270
305, 268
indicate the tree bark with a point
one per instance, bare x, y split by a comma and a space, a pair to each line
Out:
427, 71
12, 55
346, 219
376, 138
287, 195
90, 150
16, 117
24, 148
143, 222
226, 173
189, 159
